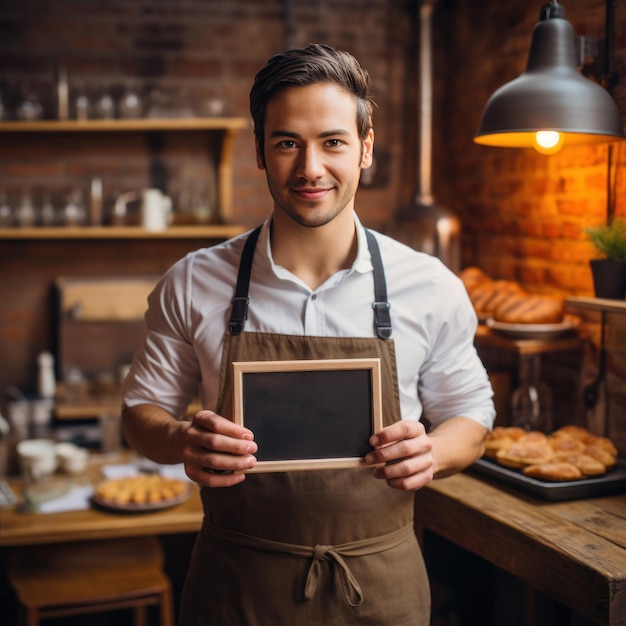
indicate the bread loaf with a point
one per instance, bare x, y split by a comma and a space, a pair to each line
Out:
530, 309
488, 297
507, 301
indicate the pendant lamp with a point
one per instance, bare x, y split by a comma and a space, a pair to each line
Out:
551, 104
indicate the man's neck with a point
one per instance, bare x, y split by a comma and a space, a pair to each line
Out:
314, 254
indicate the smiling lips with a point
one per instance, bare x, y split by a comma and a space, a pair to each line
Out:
311, 193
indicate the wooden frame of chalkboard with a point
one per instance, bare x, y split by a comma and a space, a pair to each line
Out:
309, 414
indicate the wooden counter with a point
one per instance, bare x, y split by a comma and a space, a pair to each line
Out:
17, 528
574, 552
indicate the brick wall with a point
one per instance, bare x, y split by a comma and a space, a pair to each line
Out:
522, 214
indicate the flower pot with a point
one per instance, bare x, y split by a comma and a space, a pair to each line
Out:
609, 278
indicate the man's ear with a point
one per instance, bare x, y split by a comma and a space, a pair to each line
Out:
368, 150
260, 162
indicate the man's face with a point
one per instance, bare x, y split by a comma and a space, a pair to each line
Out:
313, 155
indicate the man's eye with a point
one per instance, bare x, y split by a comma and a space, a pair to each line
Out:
287, 143
334, 143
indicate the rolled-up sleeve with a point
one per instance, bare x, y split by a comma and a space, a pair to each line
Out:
453, 380
165, 370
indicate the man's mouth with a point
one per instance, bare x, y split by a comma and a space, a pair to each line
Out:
311, 193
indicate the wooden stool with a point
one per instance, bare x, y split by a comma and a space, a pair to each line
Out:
89, 577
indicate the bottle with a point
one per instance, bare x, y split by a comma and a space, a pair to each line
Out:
63, 95
48, 214
74, 213
531, 403
95, 208
6, 214
81, 104
25, 212
46, 379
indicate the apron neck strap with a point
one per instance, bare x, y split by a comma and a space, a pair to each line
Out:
239, 311
382, 318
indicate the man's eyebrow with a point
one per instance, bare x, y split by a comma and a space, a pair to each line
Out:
328, 133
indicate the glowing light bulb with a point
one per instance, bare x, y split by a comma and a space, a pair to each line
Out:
548, 141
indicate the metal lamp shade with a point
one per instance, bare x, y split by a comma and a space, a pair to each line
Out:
551, 94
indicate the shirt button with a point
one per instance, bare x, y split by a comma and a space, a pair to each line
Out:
314, 296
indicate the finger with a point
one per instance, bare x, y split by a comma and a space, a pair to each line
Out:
402, 429
209, 420
212, 480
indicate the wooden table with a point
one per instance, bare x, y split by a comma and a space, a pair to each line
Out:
17, 528
574, 552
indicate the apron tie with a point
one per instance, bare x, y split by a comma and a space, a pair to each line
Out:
362, 547
351, 588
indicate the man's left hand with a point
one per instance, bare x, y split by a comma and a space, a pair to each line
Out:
406, 451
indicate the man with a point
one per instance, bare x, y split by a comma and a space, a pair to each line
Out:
325, 547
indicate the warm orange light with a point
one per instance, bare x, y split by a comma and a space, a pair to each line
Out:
548, 141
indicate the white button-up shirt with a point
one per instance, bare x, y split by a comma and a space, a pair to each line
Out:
439, 372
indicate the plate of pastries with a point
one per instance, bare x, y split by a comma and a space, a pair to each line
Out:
141, 492
568, 454
509, 309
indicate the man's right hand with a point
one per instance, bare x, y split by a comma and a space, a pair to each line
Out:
216, 451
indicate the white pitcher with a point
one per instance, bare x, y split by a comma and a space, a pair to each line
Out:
156, 208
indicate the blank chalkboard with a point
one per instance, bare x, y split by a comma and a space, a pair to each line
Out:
309, 414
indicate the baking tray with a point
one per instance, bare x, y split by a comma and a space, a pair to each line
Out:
614, 481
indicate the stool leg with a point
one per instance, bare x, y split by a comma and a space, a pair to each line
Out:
167, 608
139, 616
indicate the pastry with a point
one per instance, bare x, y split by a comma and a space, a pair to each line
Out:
566, 445
571, 430
530, 309
600, 454
140, 489
473, 276
585, 463
601, 442
502, 437
487, 297
535, 437
520, 454
560, 471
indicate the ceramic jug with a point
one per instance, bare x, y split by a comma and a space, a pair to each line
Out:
155, 208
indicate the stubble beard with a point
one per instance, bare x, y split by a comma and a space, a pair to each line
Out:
308, 214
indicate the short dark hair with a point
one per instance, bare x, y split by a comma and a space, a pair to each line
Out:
316, 63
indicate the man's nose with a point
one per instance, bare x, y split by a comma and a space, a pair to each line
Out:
310, 164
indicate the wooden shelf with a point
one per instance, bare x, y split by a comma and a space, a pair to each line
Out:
596, 304
225, 128
220, 231
132, 125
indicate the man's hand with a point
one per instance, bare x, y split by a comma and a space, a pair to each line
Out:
406, 451
215, 451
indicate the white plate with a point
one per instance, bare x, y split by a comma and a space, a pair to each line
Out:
532, 331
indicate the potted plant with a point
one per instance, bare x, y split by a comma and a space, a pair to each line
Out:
609, 269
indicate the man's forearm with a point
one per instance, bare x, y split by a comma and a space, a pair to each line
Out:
153, 432
457, 443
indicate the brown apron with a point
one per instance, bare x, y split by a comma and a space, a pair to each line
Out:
307, 548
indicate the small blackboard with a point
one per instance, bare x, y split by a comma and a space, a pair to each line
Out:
309, 414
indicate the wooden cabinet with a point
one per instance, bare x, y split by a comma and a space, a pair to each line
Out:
219, 132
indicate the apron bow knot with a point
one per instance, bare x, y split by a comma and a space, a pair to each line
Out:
351, 588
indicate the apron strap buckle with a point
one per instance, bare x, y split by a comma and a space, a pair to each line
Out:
382, 319
239, 313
